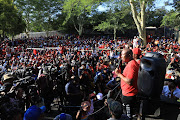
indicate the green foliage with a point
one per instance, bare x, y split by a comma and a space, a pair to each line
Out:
57, 24
104, 26
39, 14
26, 7
78, 11
75, 15
154, 17
77, 8
115, 19
97, 17
171, 19
45, 11
11, 22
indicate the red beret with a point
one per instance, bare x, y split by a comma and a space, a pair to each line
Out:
136, 51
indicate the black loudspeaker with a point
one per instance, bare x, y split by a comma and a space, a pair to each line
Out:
151, 75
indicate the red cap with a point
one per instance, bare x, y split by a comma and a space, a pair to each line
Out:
136, 51
92, 95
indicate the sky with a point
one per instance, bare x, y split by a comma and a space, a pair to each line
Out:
158, 4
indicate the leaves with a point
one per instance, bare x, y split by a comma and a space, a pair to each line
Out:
11, 22
39, 14
115, 19
78, 11
154, 17
171, 19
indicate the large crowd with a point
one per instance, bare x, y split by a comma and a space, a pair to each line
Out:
82, 72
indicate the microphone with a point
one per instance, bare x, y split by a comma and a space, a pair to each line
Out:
119, 64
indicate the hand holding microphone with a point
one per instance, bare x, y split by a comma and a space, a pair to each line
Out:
120, 64
118, 69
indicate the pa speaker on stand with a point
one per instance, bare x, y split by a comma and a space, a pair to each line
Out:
151, 76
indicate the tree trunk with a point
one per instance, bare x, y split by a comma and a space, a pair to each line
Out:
114, 33
27, 25
27, 33
48, 26
139, 19
47, 33
143, 24
80, 31
3, 35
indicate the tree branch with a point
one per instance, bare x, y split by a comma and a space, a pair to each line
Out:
139, 18
134, 13
75, 25
142, 14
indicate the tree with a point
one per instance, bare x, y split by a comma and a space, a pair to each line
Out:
138, 8
115, 19
45, 11
18, 25
78, 11
172, 18
57, 24
39, 14
155, 16
175, 4
26, 7
11, 22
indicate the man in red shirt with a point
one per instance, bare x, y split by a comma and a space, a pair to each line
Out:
128, 80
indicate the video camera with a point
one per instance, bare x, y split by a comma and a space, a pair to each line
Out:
25, 82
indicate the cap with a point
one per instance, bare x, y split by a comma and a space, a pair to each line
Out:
136, 51
63, 116
99, 96
34, 112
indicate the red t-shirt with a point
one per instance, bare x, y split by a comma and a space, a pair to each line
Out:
138, 61
131, 72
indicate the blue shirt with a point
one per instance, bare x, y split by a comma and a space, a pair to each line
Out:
166, 92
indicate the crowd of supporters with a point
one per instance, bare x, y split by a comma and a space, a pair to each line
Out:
80, 71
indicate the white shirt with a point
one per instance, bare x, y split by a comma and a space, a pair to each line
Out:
135, 43
111, 53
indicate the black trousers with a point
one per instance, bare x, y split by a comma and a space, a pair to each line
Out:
128, 105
